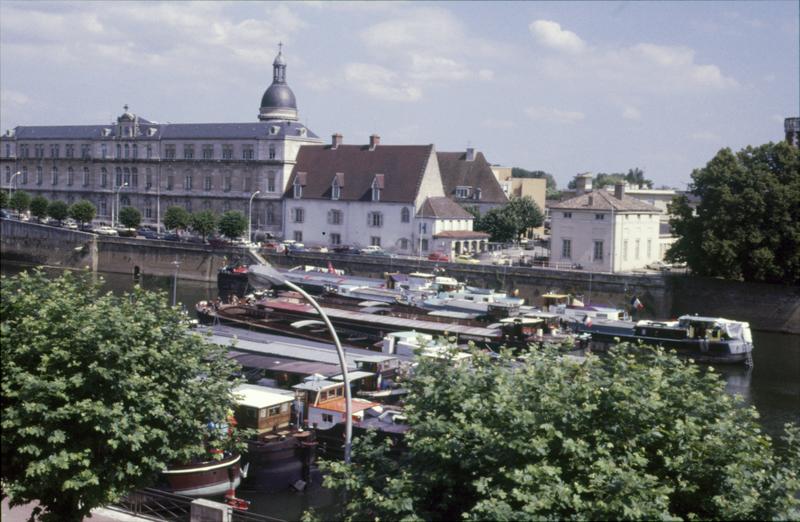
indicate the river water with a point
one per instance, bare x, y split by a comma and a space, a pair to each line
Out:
772, 385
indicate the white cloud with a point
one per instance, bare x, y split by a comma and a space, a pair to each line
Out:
380, 82
553, 115
431, 68
9, 97
631, 113
550, 34
486, 74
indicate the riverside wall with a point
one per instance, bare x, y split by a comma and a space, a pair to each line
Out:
767, 307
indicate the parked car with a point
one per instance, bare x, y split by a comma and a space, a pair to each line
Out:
147, 233
372, 249
171, 236
466, 259
439, 256
273, 246
106, 231
501, 260
318, 249
295, 247
4, 214
659, 265
70, 224
345, 249
218, 242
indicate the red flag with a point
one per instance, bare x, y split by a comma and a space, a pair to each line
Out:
330, 268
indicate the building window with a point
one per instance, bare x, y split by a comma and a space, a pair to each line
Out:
335, 217
85, 176
85, 151
375, 219
298, 236
375, 241
127, 151
169, 152
336, 239
598, 251
227, 152
188, 152
298, 214
24, 175
462, 192
207, 183
298, 189
423, 228
636, 249
70, 151
38, 175
104, 151
188, 206
134, 177
103, 177
248, 184
170, 181
135, 151
567, 215
149, 152
404, 244
148, 179
270, 214
228, 183
103, 207
127, 177
336, 190
247, 152
8, 150
54, 151
566, 249
119, 151
148, 209
424, 245
625, 250
226, 206
70, 177
119, 176
272, 152
405, 215
271, 181
8, 175
649, 247
55, 175
600, 216
376, 191
208, 152
187, 182
124, 201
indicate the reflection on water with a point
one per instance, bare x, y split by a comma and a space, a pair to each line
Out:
772, 385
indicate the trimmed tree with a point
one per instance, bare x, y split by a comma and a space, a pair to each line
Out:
232, 224
82, 211
58, 210
498, 223
39, 206
130, 217
176, 218
100, 392
525, 214
3, 199
203, 223
19, 201
637, 435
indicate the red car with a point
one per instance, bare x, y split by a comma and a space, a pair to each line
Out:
273, 246
439, 256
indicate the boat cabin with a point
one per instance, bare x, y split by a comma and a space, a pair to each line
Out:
324, 403
260, 408
521, 328
715, 328
412, 343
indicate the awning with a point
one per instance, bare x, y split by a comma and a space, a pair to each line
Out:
354, 375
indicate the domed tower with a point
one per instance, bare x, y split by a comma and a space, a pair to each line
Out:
278, 102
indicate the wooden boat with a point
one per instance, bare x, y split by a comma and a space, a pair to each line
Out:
205, 478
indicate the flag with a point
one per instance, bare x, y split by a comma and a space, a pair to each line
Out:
587, 321
635, 303
330, 268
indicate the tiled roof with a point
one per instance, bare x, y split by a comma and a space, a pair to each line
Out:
461, 234
458, 172
169, 131
442, 208
603, 200
356, 167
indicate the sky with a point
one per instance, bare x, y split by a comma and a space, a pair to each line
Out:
564, 87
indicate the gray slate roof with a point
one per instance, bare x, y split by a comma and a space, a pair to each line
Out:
443, 208
605, 201
458, 172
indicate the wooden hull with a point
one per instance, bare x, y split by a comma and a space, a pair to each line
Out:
274, 465
207, 478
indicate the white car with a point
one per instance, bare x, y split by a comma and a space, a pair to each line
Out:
372, 249
106, 231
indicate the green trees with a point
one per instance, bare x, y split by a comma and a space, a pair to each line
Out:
203, 223
58, 210
232, 224
747, 223
130, 217
552, 187
19, 201
510, 222
176, 218
99, 392
638, 434
3, 199
82, 211
525, 214
38, 207
498, 224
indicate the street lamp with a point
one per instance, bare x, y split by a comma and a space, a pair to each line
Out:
250, 217
12, 182
177, 265
273, 276
117, 199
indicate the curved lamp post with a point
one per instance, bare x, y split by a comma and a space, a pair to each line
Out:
275, 277
117, 200
12, 182
250, 217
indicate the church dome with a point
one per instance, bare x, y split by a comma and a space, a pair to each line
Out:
278, 102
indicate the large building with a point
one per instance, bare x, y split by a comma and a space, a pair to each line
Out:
152, 166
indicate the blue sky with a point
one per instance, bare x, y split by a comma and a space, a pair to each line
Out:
564, 87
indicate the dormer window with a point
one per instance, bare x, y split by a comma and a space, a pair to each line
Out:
274, 130
297, 186
477, 194
377, 187
462, 192
336, 190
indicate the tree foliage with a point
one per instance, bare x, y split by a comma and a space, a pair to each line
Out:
176, 218
525, 214
232, 224
100, 392
638, 434
38, 207
3, 199
634, 177
82, 211
552, 186
19, 201
58, 210
498, 224
130, 217
203, 223
509, 222
747, 222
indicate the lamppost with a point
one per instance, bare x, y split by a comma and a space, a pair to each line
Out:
12, 183
177, 265
113, 221
275, 277
250, 217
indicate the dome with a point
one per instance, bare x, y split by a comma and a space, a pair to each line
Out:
278, 102
278, 96
279, 59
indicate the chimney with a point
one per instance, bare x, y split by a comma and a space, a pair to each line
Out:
336, 140
619, 190
374, 141
470, 154
583, 183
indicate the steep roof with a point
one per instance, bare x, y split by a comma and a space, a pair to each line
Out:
442, 208
458, 172
603, 200
356, 167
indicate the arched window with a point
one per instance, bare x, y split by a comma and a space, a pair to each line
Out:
119, 176
272, 152
271, 181
124, 201
405, 215
336, 190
